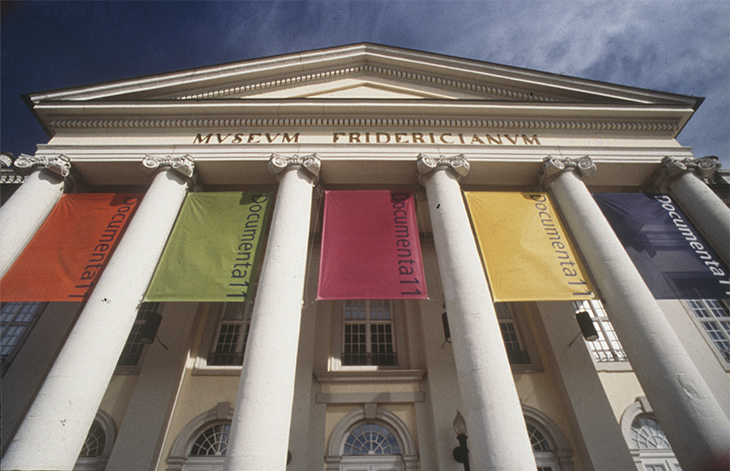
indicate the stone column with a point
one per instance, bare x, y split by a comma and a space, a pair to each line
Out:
55, 427
25, 211
581, 391
696, 426
496, 427
260, 433
147, 417
683, 179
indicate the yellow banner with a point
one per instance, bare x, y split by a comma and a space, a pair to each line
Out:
527, 253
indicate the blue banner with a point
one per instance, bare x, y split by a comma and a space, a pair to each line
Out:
669, 252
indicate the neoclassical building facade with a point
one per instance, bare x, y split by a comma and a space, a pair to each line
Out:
128, 372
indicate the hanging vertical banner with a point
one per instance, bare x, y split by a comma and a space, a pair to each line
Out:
66, 256
212, 251
669, 252
370, 247
526, 251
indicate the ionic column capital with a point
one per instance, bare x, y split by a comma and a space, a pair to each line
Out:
428, 163
554, 166
311, 163
184, 165
672, 168
59, 165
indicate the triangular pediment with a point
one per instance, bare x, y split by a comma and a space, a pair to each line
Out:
362, 72
363, 85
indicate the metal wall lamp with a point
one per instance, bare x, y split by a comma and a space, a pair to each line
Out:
461, 452
148, 331
586, 326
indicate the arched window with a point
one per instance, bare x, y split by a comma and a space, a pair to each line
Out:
98, 444
213, 441
537, 439
371, 439
646, 439
202, 444
647, 434
95, 441
551, 450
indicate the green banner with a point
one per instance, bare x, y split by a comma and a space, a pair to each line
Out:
212, 251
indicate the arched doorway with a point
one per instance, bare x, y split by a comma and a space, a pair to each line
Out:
376, 441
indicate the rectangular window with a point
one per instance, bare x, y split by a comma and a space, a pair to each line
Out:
231, 335
16, 322
368, 334
516, 354
607, 347
134, 346
714, 317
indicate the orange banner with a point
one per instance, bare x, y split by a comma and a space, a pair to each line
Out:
68, 253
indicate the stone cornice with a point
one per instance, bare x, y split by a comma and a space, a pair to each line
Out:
380, 71
370, 122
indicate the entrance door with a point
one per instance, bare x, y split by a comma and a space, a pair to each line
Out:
372, 463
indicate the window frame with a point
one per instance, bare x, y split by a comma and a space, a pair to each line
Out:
645, 456
98, 463
512, 315
722, 356
397, 310
242, 335
559, 457
179, 458
214, 316
27, 329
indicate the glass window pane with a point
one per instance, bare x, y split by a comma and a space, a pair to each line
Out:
355, 310
371, 439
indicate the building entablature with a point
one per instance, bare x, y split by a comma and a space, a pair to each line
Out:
231, 165
364, 116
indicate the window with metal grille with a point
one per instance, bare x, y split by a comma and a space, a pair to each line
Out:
537, 439
714, 317
368, 334
371, 439
607, 347
543, 449
231, 335
16, 322
95, 441
516, 354
134, 346
646, 433
213, 441
654, 451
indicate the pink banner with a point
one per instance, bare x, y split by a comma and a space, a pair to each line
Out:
370, 247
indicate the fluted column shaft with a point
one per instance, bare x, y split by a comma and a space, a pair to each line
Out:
55, 427
496, 427
25, 211
260, 432
683, 179
696, 426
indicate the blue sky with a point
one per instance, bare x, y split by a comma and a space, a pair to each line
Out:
674, 46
